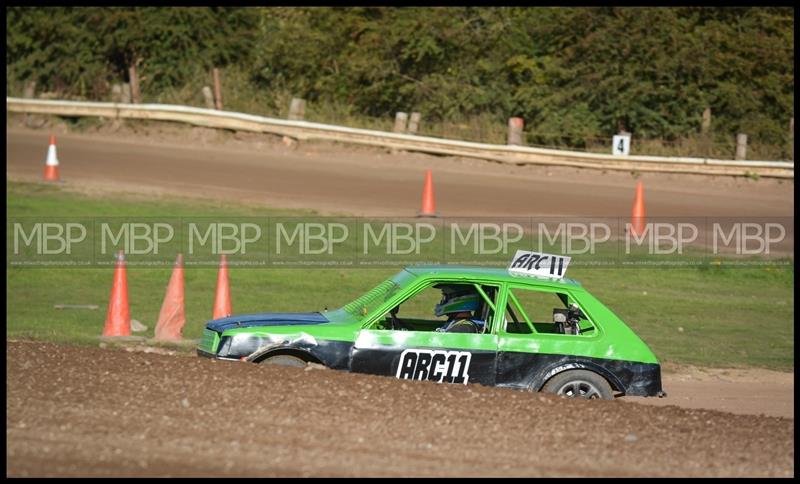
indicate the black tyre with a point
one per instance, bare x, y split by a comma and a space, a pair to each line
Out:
579, 384
284, 360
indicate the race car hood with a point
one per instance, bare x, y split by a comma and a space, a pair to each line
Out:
266, 319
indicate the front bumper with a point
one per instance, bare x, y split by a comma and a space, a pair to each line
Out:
205, 354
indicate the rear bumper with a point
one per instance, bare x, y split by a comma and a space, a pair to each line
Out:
642, 380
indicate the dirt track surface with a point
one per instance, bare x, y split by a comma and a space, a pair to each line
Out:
82, 411
333, 178
742, 391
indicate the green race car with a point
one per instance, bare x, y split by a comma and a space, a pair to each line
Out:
502, 329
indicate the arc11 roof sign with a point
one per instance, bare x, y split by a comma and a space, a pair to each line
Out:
539, 264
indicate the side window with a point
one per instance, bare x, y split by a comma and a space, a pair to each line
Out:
533, 311
433, 307
515, 323
420, 306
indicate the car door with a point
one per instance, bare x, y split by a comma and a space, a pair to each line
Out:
425, 354
529, 344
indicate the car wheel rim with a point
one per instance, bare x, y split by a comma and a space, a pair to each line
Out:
579, 389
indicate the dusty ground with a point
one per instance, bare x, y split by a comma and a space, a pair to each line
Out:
81, 411
742, 391
334, 178
161, 159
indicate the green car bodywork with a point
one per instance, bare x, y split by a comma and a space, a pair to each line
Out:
512, 351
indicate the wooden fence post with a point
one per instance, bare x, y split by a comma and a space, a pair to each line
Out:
515, 131
126, 93
297, 109
741, 146
400, 122
217, 89
116, 93
706, 121
30, 90
209, 97
706, 146
116, 97
136, 96
413, 123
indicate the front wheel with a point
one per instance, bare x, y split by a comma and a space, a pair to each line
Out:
284, 360
579, 384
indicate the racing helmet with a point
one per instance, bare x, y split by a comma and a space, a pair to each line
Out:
454, 302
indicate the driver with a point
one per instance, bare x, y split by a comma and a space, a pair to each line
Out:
458, 304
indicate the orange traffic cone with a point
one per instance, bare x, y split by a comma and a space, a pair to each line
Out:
51, 164
222, 303
172, 317
637, 214
428, 203
118, 319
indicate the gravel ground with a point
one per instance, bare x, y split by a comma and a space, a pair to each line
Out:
88, 411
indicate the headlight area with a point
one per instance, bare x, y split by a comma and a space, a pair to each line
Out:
214, 346
224, 346
235, 347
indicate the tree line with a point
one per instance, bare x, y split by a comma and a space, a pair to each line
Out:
571, 73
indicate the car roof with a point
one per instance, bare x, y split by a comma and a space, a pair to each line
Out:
494, 273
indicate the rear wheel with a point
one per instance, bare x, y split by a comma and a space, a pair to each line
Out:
579, 384
284, 360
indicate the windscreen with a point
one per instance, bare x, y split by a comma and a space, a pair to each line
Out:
377, 295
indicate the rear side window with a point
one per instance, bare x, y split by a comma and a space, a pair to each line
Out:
533, 311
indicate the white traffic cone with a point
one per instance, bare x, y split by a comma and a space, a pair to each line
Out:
51, 165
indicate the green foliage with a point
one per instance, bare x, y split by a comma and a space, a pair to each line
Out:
576, 75
79, 50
